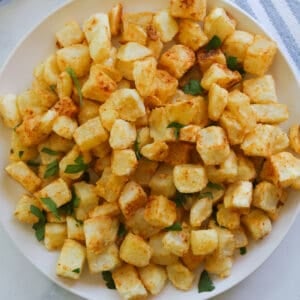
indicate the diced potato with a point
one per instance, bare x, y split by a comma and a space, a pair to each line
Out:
70, 34
259, 55
52, 218
100, 232
228, 218
51, 70
65, 127
115, 19
189, 178
257, 223
246, 168
106, 261
240, 237
102, 150
192, 261
189, 133
55, 235
294, 138
195, 9
226, 243
200, 211
71, 260
166, 25
155, 45
154, 278
123, 162
204, 241
145, 171
9, 111
207, 58
128, 283
109, 185
177, 242
108, 114
157, 151
215, 193
218, 265
65, 106
135, 251
160, 211
22, 211
106, 209
177, 60
180, 276
88, 110
271, 113
179, 153
218, 23
131, 199
217, 101
75, 229
56, 143
20, 172
76, 57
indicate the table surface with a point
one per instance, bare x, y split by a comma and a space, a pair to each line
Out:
276, 279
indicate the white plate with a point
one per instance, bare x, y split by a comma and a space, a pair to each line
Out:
16, 76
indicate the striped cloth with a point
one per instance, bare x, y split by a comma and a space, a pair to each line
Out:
281, 18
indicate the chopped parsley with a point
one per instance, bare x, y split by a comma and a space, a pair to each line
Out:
76, 82
177, 126
51, 205
175, 227
21, 153
214, 43
52, 169
107, 277
122, 230
49, 151
193, 87
234, 65
79, 166
76, 270
39, 227
205, 284
215, 186
243, 250
179, 199
53, 88
33, 163
69, 207
137, 149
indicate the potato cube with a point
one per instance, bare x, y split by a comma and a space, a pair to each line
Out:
204, 241
179, 153
69, 35
238, 195
20, 172
180, 276
133, 32
110, 209
76, 57
271, 113
257, 223
109, 185
108, 114
88, 110
189, 133
9, 111
217, 101
132, 198
55, 235
177, 60
155, 45
123, 162
135, 251
207, 58
106, 261
160, 211
65, 127
195, 9
75, 229
228, 218
246, 169
192, 261
189, 178
90, 134
166, 25
71, 260
259, 55
261, 90
128, 283
154, 278
115, 19
100, 232
122, 135
294, 138
218, 264
145, 171
65, 106
221, 75
177, 242
58, 191
237, 43
240, 237
51, 70
218, 23
155, 151
200, 211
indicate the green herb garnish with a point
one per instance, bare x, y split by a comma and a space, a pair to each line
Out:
122, 230
179, 199
51, 206
177, 126
214, 43
234, 65
76, 82
68, 208
215, 186
243, 250
193, 87
53, 88
52, 169
175, 227
107, 277
204, 195
137, 149
205, 284
49, 151
76, 270
39, 227
32, 163
21, 153
79, 166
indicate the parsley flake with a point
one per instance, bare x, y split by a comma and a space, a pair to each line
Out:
49, 151
137, 149
107, 277
39, 227
51, 206
215, 186
53, 88
52, 169
122, 230
177, 126
79, 166
205, 283
193, 87
234, 65
214, 43
179, 199
21, 153
205, 195
76, 270
33, 163
76, 82
243, 250
175, 227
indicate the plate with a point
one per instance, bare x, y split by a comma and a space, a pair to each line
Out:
16, 76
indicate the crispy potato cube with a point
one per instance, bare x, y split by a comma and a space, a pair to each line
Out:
215, 194
100, 232
257, 223
51, 70
90, 134
179, 153
128, 283
106, 261
218, 23
69, 35
261, 90
76, 57
75, 229
20, 172
115, 19
108, 114
238, 195
218, 265
200, 211
271, 113
294, 138
22, 211
155, 151
58, 191
191, 34
177, 60
204, 241
122, 135
109, 185
177, 242
207, 58
195, 9
189, 178
123, 162
135, 251
88, 110
246, 168
145, 171
189, 133
165, 25
52, 218
160, 211
65, 127
192, 261
102, 150
221, 75
133, 33
155, 45
71, 258
240, 237
212, 145
237, 43
259, 55
55, 235
217, 101
131, 199
65, 106
110, 209
228, 218
154, 278
180, 276
9, 111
